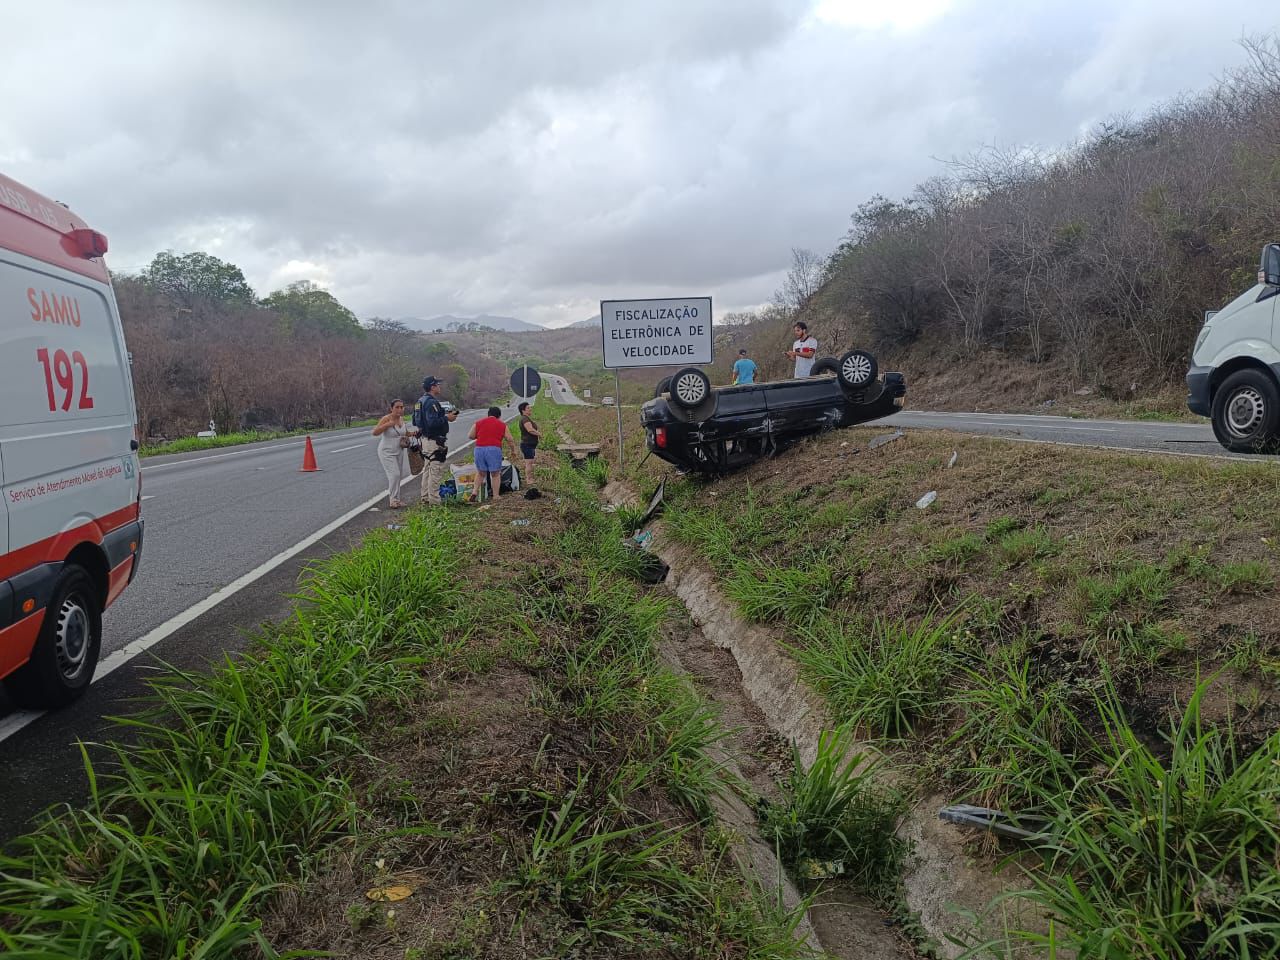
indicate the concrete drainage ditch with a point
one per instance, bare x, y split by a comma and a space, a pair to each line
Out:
942, 879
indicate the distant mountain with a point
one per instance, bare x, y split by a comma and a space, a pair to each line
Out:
448, 323
593, 322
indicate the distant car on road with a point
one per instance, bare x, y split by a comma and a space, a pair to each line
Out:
447, 407
712, 430
607, 401
1234, 378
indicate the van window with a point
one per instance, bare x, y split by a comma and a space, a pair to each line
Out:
58, 356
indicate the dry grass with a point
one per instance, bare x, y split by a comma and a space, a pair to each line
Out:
1145, 568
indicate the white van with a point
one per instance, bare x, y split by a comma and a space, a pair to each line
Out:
1234, 378
70, 520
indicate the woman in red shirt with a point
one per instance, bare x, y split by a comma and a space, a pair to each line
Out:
489, 435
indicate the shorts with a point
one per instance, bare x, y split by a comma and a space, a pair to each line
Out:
527, 450
489, 459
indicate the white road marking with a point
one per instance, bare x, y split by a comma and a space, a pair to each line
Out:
345, 449
222, 456
118, 658
1270, 461
148, 496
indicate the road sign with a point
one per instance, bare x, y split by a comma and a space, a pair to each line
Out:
656, 333
526, 382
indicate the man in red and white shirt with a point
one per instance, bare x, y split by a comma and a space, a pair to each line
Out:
804, 351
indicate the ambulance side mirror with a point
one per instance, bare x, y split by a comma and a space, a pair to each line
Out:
1269, 272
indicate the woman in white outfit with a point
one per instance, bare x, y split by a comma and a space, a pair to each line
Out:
391, 429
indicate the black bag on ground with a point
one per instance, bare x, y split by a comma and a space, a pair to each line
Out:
509, 479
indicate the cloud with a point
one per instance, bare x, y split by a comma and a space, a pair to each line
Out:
530, 158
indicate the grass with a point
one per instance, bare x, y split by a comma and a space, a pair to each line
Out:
1100, 586
1162, 851
188, 444
1000, 706
224, 831
835, 817
235, 783
796, 596
889, 681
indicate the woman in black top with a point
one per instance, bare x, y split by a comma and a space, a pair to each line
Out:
529, 436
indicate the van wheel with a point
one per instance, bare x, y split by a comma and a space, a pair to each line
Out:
824, 366
1246, 412
690, 387
663, 386
66, 651
857, 369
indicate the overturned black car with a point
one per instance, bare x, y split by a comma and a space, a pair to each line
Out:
712, 430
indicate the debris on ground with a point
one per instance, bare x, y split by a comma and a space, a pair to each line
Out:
395, 526
996, 821
391, 894
820, 869
955, 455
927, 499
521, 523
884, 438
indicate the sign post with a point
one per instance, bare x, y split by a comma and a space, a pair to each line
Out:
653, 333
525, 382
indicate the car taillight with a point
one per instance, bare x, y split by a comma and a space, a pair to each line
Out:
660, 437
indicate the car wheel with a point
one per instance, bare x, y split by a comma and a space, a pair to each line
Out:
66, 649
663, 386
824, 366
1246, 412
690, 387
857, 369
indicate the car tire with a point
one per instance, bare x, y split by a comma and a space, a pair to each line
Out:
66, 650
663, 386
857, 369
1246, 412
824, 366
690, 387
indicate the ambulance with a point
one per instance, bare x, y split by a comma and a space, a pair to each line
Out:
70, 517
1234, 377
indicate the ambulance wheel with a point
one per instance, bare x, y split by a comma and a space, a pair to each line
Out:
66, 650
1246, 412
690, 387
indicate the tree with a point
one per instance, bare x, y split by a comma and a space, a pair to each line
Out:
804, 279
197, 276
306, 308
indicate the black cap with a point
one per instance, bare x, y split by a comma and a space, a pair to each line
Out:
430, 382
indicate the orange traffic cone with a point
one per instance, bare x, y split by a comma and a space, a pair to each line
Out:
309, 458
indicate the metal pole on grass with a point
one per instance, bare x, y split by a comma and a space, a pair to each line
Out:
617, 402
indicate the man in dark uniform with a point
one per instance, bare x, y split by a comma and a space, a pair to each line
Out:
433, 425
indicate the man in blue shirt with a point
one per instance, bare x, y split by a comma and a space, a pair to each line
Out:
744, 369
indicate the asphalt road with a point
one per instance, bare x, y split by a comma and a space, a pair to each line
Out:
561, 392
1182, 439
213, 520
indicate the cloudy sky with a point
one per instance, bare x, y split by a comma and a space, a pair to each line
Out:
531, 158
